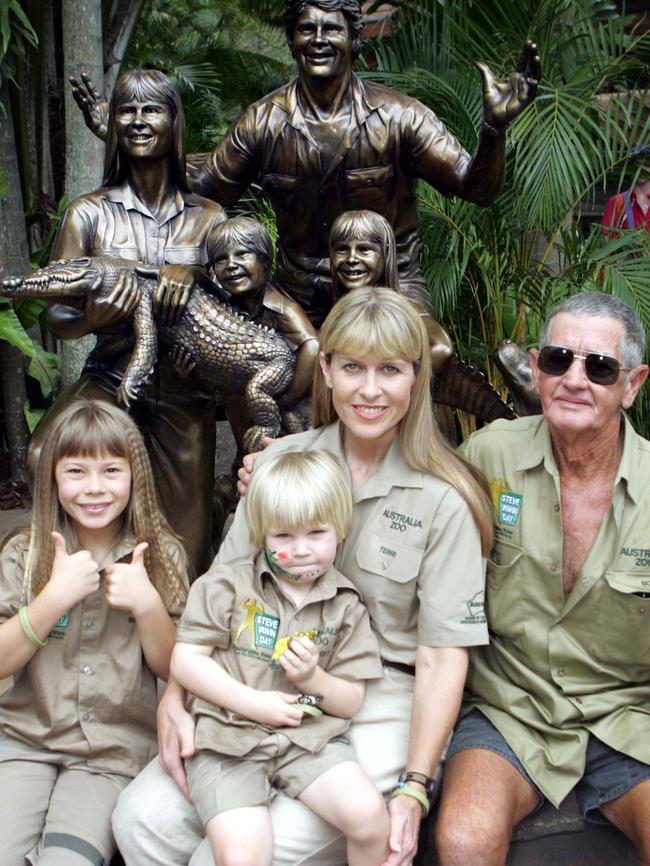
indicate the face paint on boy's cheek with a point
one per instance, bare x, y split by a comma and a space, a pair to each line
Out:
273, 561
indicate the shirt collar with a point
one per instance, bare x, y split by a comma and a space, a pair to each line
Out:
363, 102
124, 195
394, 468
540, 450
326, 587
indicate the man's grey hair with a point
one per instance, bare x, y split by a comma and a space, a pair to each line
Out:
589, 304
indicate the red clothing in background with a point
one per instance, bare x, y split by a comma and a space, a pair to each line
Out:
616, 216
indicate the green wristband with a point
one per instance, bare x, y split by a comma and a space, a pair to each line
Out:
28, 631
413, 792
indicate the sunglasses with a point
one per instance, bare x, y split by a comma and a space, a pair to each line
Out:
600, 369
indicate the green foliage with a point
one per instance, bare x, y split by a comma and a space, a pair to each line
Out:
42, 366
221, 56
16, 35
494, 272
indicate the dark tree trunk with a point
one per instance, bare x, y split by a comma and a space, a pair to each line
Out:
14, 258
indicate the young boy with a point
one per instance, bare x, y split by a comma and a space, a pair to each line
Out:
260, 643
242, 260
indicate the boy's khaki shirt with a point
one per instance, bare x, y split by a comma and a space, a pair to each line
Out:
413, 552
557, 669
89, 692
241, 611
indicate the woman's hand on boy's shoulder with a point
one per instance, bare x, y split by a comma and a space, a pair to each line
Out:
74, 576
127, 585
245, 472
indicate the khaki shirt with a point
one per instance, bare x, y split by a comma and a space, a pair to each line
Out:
112, 221
413, 552
389, 141
89, 692
241, 610
557, 669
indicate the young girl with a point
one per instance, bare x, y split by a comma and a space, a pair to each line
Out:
85, 603
363, 253
256, 633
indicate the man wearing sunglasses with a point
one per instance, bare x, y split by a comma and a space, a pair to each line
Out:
560, 699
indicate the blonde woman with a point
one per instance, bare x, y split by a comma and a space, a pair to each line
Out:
421, 523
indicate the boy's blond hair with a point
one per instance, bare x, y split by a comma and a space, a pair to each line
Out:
295, 489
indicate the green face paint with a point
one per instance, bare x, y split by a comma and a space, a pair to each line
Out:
276, 568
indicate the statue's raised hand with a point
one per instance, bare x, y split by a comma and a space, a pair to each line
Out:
505, 98
94, 107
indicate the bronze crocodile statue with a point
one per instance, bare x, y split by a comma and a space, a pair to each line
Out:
226, 349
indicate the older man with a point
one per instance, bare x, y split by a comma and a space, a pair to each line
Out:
560, 699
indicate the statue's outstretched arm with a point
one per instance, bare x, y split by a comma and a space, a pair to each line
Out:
93, 106
503, 100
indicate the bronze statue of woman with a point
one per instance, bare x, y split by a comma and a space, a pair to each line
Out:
145, 212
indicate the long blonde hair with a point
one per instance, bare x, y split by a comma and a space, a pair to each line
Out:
87, 428
379, 321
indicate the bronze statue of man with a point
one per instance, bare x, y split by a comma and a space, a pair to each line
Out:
328, 142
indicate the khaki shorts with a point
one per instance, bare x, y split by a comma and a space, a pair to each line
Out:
53, 809
220, 782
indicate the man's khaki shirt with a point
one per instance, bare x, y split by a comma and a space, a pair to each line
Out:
89, 692
413, 552
241, 611
389, 142
557, 669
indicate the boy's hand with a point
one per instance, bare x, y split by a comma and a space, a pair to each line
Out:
300, 661
278, 709
74, 576
127, 584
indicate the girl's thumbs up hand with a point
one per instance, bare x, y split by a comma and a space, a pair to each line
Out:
127, 584
74, 575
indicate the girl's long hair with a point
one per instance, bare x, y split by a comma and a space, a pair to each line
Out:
369, 226
88, 428
145, 85
379, 321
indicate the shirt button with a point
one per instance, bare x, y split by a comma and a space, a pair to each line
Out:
641, 610
89, 623
86, 669
578, 700
560, 672
554, 568
85, 717
556, 508
384, 565
154, 233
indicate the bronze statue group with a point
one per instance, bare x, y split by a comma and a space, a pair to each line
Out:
344, 640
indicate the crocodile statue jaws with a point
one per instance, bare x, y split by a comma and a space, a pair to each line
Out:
228, 350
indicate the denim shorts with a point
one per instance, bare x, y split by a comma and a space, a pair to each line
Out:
608, 774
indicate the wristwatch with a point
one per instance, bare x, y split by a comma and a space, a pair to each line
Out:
427, 782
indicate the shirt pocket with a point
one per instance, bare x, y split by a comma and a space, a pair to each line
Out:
184, 255
118, 252
623, 633
400, 565
369, 188
504, 590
